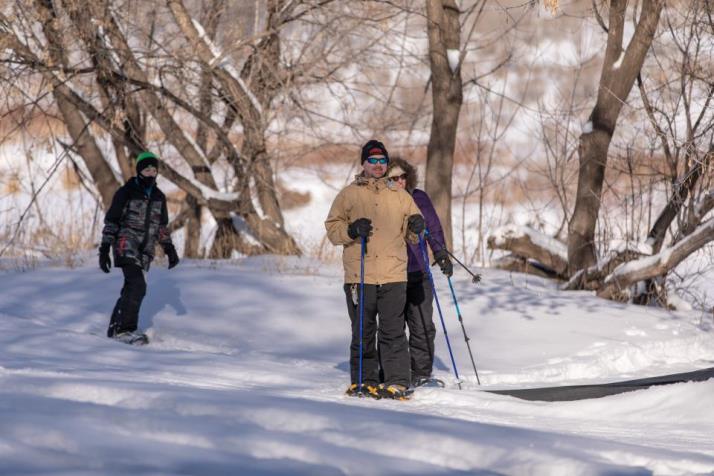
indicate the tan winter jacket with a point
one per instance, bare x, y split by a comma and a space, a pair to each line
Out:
389, 208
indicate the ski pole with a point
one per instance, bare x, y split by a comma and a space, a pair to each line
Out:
438, 307
476, 278
361, 314
461, 321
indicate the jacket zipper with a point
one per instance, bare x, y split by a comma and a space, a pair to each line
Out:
147, 218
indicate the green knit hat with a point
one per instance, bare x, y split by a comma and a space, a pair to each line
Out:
146, 159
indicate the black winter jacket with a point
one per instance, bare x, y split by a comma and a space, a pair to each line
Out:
134, 224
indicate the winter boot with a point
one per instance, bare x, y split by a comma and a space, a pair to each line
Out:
395, 391
367, 391
427, 382
133, 338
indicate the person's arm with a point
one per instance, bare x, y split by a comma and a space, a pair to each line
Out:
411, 209
337, 221
435, 237
113, 217
164, 234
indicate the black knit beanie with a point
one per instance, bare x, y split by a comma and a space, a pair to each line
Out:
373, 147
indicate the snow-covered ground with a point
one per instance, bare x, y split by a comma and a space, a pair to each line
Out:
248, 365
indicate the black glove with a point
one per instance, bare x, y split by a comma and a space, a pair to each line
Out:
171, 254
476, 279
104, 261
360, 227
415, 223
442, 259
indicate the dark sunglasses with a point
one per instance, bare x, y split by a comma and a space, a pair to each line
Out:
377, 160
398, 177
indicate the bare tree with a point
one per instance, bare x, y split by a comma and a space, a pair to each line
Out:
675, 103
444, 33
620, 68
131, 83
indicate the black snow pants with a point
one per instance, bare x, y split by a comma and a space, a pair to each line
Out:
418, 315
125, 317
387, 301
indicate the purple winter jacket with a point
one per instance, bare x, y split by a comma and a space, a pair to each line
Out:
435, 238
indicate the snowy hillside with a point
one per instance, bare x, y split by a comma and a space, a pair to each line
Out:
248, 366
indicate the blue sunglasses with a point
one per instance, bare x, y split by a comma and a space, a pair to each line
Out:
377, 160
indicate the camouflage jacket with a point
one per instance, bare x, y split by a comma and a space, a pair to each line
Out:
134, 224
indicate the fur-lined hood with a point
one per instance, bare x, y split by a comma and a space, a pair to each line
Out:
409, 169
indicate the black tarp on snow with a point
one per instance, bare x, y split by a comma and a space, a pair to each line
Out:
582, 392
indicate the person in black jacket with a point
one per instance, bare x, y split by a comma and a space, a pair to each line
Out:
136, 221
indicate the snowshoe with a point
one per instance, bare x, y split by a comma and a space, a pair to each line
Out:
394, 392
367, 391
428, 382
132, 338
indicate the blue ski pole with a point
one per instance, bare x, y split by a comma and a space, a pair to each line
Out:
438, 307
475, 278
461, 321
361, 314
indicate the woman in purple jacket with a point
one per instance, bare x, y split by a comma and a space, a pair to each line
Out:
418, 312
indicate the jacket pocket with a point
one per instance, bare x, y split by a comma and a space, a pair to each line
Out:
394, 266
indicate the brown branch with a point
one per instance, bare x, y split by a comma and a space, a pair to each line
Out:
526, 242
650, 267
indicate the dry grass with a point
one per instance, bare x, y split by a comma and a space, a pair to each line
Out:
39, 126
174, 201
12, 185
70, 178
290, 199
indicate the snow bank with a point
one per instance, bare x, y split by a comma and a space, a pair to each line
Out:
248, 366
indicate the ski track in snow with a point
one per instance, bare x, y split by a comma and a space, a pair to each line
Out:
248, 365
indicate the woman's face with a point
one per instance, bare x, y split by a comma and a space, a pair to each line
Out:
399, 179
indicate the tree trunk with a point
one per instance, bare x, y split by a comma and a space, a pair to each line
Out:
225, 241
680, 190
619, 71
704, 206
250, 95
193, 229
529, 243
444, 33
652, 266
77, 126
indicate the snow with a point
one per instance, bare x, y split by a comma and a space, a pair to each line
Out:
209, 193
225, 64
618, 63
248, 364
702, 233
554, 247
453, 57
700, 205
588, 127
620, 246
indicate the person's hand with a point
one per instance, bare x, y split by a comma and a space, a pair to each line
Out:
104, 261
442, 259
416, 224
360, 227
171, 254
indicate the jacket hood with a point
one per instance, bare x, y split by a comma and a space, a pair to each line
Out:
377, 183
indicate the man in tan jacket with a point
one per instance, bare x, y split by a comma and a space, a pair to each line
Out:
385, 216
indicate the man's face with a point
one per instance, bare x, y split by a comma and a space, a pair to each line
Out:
375, 166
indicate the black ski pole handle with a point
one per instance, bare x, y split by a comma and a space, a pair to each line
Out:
475, 278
